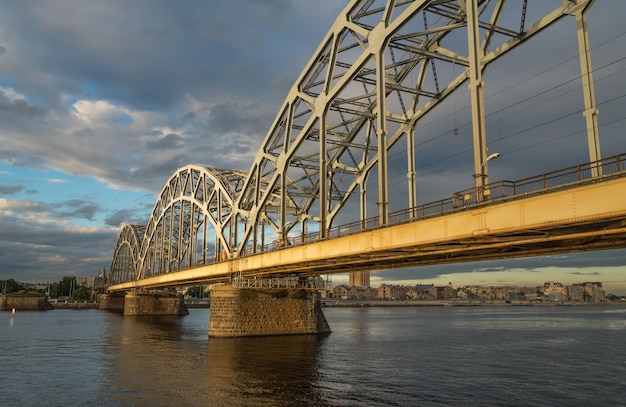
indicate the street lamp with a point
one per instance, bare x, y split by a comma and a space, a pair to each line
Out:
484, 163
491, 157
482, 178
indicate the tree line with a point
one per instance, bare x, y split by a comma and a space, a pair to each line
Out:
66, 287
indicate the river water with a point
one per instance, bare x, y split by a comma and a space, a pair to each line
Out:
420, 356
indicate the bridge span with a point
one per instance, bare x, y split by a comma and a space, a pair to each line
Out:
330, 158
568, 214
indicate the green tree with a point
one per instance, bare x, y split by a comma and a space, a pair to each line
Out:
67, 285
82, 293
54, 290
10, 286
195, 291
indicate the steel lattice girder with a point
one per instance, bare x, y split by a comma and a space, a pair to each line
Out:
126, 254
382, 66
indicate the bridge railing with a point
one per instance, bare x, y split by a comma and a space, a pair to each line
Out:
609, 167
278, 282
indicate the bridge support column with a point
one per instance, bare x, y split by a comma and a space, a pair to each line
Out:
111, 302
237, 312
154, 303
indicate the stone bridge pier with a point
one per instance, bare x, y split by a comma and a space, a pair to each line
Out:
237, 312
145, 303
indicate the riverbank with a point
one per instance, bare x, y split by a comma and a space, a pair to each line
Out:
69, 304
456, 303
12, 302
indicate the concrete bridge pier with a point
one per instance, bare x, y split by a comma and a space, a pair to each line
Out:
144, 303
237, 312
154, 303
111, 302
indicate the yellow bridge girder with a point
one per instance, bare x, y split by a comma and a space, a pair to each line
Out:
575, 219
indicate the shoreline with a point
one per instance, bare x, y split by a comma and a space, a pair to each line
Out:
457, 303
335, 303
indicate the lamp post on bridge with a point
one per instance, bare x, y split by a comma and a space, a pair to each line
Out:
482, 178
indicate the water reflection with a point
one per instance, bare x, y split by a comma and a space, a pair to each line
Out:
159, 361
265, 371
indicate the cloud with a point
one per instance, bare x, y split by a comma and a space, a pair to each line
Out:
126, 216
30, 256
11, 189
581, 273
575, 263
77, 208
169, 141
47, 213
14, 107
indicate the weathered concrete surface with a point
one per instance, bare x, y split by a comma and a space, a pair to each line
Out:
25, 302
154, 303
112, 302
239, 312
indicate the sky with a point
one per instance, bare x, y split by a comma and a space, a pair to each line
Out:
101, 102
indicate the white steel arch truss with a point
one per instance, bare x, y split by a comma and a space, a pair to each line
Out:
190, 221
382, 66
126, 254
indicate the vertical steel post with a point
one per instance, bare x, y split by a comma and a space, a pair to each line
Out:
323, 192
476, 85
363, 204
381, 133
410, 141
586, 74
204, 239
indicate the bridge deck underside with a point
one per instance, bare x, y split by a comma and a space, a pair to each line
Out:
585, 218
601, 235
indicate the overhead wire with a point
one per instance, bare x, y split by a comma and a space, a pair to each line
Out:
543, 72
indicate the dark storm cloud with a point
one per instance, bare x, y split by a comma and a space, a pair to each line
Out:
231, 117
10, 189
18, 107
127, 216
76, 208
29, 232
154, 175
167, 142
579, 273
27, 254
148, 54
152, 57
70, 209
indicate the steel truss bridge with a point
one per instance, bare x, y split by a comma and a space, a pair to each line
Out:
302, 208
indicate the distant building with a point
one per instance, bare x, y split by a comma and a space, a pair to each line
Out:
94, 283
592, 291
360, 278
391, 292
350, 292
551, 287
425, 292
576, 293
445, 292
